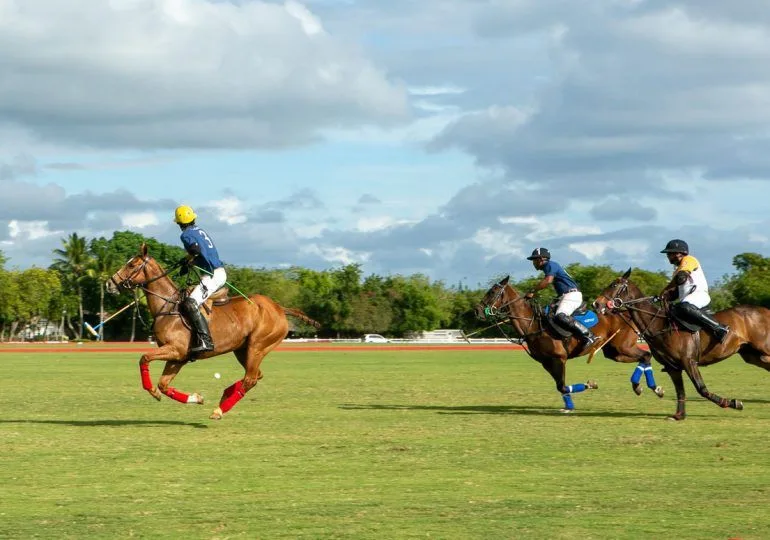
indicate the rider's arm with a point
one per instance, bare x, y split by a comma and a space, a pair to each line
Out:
193, 249
542, 284
671, 291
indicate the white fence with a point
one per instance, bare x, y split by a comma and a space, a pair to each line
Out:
422, 341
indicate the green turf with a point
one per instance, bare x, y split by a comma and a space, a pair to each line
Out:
360, 445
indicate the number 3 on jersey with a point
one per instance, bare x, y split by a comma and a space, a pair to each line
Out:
206, 237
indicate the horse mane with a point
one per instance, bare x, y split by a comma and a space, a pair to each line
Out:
634, 289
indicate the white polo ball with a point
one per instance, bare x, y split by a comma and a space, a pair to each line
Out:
217, 375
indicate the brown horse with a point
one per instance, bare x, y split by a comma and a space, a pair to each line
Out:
249, 327
685, 351
618, 340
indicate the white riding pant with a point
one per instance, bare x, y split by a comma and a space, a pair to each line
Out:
209, 285
569, 302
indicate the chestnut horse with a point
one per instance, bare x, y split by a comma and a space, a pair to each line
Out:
618, 340
250, 328
680, 350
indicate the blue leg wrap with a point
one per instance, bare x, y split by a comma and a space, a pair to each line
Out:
650, 376
568, 401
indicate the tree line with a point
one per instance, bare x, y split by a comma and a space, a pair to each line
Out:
347, 303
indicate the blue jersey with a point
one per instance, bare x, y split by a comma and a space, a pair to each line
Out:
206, 254
562, 281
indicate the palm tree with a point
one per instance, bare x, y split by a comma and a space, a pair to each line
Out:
73, 262
102, 266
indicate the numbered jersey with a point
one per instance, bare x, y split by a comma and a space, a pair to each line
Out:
206, 254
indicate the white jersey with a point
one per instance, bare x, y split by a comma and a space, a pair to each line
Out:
695, 290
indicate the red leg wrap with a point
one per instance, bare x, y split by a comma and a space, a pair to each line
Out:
144, 370
176, 395
231, 396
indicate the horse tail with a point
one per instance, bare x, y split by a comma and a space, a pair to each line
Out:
301, 316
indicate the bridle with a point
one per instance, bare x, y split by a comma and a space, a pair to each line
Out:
617, 304
504, 312
128, 283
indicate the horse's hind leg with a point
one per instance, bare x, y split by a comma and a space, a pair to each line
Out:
164, 385
697, 380
556, 367
250, 357
754, 357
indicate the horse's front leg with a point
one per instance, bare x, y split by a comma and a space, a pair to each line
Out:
628, 352
676, 378
164, 385
697, 380
167, 352
644, 367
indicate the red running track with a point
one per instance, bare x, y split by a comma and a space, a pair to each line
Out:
286, 347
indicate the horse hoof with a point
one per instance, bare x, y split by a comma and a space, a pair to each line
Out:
676, 417
638, 389
197, 398
566, 411
156, 394
217, 414
659, 391
592, 385
737, 404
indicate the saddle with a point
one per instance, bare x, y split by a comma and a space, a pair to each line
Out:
683, 324
219, 298
582, 314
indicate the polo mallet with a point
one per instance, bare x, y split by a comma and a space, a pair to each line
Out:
591, 356
94, 330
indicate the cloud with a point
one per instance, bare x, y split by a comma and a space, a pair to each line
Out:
28, 208
154, 74
617, 209
139, 220
367, 198
636, 92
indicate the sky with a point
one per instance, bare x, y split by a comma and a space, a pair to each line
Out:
443, 137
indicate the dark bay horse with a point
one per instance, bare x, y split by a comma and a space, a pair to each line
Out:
680, 350
618, 340
250, 328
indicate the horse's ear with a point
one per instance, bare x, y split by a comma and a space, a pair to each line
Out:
504, 281
143, 249
627, 274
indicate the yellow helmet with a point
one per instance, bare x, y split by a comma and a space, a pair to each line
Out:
184, 215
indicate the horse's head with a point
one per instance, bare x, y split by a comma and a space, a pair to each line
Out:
619, 291
497, 300
131, 275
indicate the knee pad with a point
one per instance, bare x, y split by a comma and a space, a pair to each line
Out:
563, 318
190, 305
687, 310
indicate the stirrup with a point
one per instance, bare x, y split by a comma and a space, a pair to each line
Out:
203, 346
721, 333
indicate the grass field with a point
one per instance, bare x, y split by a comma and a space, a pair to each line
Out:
378, 444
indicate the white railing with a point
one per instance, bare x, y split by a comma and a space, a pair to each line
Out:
424, 341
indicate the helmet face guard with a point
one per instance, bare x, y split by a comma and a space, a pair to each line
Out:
184, 215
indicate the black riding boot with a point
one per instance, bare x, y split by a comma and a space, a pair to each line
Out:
201, 326
577, 329
692, 313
